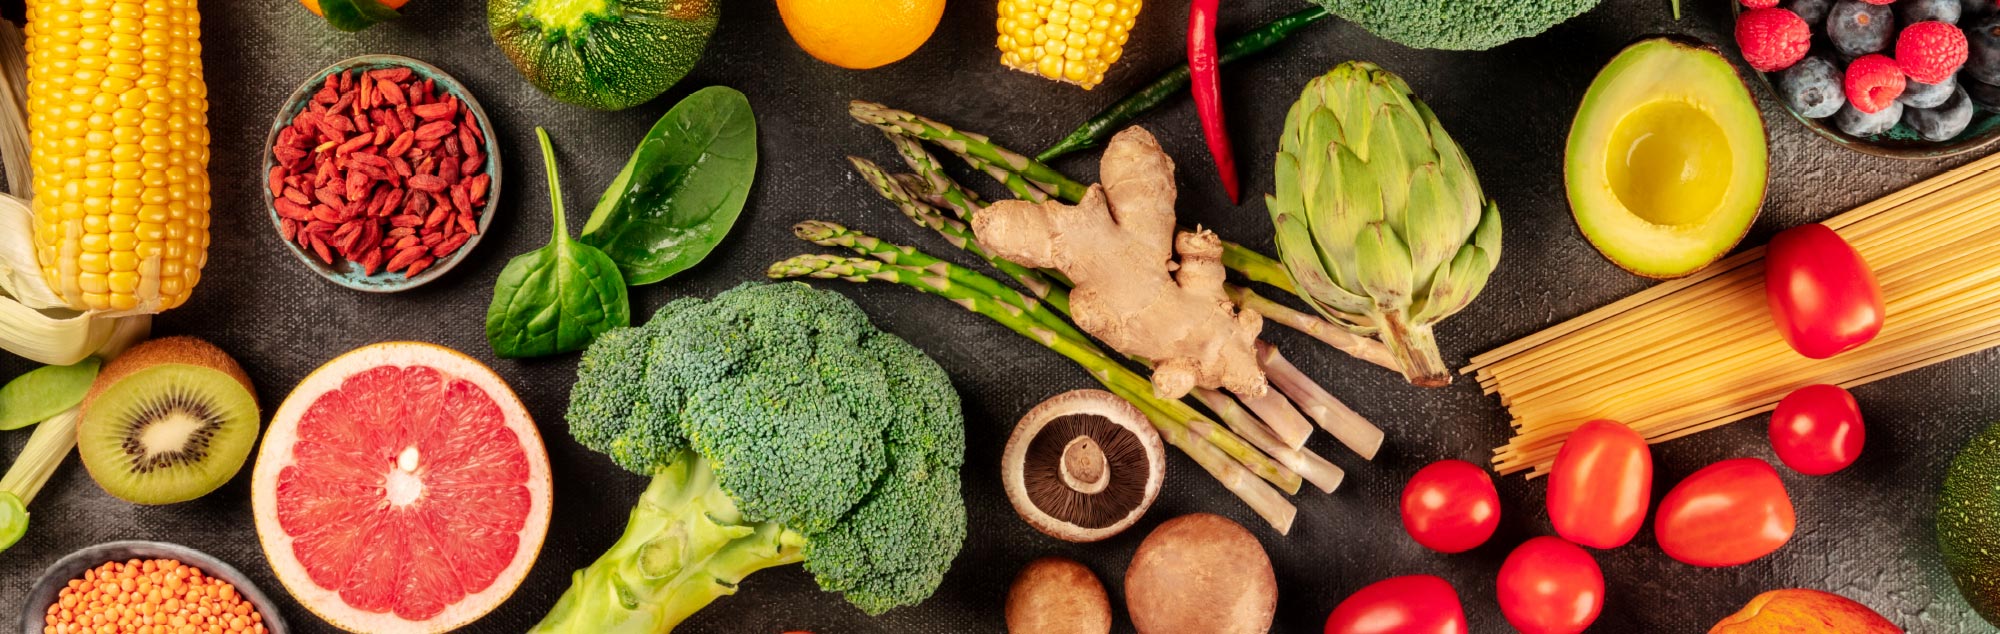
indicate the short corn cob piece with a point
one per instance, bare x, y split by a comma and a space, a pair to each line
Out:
1072, 41
118, 123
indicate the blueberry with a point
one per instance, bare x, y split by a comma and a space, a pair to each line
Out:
1812, 88
1975, 9
1983, 59
1984, 96
1814, 11
1862, 124
1943, 122
1858, 28
1917, 94
1914, 11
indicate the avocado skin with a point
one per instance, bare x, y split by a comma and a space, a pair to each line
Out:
1968, 523
614, 59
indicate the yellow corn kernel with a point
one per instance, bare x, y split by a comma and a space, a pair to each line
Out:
117, 116
1073, 41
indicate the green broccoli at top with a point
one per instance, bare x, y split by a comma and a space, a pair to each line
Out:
1459, 25
779, 426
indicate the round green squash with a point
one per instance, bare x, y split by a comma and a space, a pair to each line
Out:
1968, 523
603, 54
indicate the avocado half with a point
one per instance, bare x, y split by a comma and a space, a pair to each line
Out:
1666, 161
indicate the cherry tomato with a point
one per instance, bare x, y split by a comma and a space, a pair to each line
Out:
1451, 506
1550, 586
1822, 295
1600, 485
1817, 429
1416, 604
1728, 513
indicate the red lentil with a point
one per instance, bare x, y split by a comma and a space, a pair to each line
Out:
159, 596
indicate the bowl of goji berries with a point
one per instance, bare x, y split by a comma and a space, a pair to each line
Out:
381, 172
135, 585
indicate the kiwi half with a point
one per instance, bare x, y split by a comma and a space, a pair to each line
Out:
168, 421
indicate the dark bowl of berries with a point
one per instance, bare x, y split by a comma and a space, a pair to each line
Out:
1911, 79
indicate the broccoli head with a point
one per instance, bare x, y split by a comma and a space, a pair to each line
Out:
1459, 25
779, 426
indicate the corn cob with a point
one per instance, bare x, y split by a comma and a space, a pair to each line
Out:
118, 124
1065, 40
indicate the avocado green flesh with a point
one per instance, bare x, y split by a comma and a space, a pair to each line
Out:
603, 54
1968, 523
1667, 159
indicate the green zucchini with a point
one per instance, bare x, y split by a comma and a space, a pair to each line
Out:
1968, 523
603, 54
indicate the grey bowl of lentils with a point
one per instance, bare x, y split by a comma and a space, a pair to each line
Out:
168, 584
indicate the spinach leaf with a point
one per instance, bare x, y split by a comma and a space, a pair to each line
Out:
557, 298
44, 392
682, 190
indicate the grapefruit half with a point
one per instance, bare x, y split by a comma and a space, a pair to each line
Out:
401, 487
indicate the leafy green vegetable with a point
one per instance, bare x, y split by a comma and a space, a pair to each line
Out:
355, 15
557, 298
779, 427
682, 190
44, 392
1458, 25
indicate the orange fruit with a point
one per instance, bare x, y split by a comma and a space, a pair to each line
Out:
860, 34
313, 5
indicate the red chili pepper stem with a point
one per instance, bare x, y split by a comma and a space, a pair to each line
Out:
1203, 62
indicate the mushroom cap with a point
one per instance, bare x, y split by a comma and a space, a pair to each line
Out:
1204, 574
1083, 491
1053, 595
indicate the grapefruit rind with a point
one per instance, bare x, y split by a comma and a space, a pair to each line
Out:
277, 453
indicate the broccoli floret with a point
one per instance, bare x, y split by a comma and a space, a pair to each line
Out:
1460, 25
779, 426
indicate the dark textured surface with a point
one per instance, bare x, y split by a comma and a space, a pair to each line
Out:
1865, 532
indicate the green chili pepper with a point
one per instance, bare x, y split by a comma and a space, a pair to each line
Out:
1109, 121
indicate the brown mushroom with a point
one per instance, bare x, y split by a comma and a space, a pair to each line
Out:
1201, 574
1053, 595
1083, 466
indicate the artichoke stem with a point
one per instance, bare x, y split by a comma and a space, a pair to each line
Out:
1415, 349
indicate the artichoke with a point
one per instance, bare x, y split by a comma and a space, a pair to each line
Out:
1379, 215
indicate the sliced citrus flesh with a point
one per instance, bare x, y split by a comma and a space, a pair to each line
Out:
402, 488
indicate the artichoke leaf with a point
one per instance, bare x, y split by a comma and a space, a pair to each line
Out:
1436, 229
1321, 133
1456, 286
1338, 211
1384, 267
1400, 146
1296, 250
1487, 235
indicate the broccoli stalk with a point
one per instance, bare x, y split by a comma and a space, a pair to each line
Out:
685, 546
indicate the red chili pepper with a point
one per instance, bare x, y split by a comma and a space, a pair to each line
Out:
1203, 62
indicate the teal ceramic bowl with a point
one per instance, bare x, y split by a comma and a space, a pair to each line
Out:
347, 273
49, 586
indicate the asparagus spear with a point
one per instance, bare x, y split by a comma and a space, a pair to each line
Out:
1178, 423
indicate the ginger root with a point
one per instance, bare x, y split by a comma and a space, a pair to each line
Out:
1118, 246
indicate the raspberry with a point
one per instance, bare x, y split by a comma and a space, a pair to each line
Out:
1759, 4
1873, 82
1773, 39
1930, 52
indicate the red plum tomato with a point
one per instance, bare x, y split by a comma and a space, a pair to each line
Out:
1451, 506
1823, 297
1729, 513
1817, 429
1600, 485
1550, 586
1416, 604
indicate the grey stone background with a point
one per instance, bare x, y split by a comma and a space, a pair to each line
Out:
1865, 532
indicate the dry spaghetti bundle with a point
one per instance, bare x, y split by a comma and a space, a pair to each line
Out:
1699, 352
